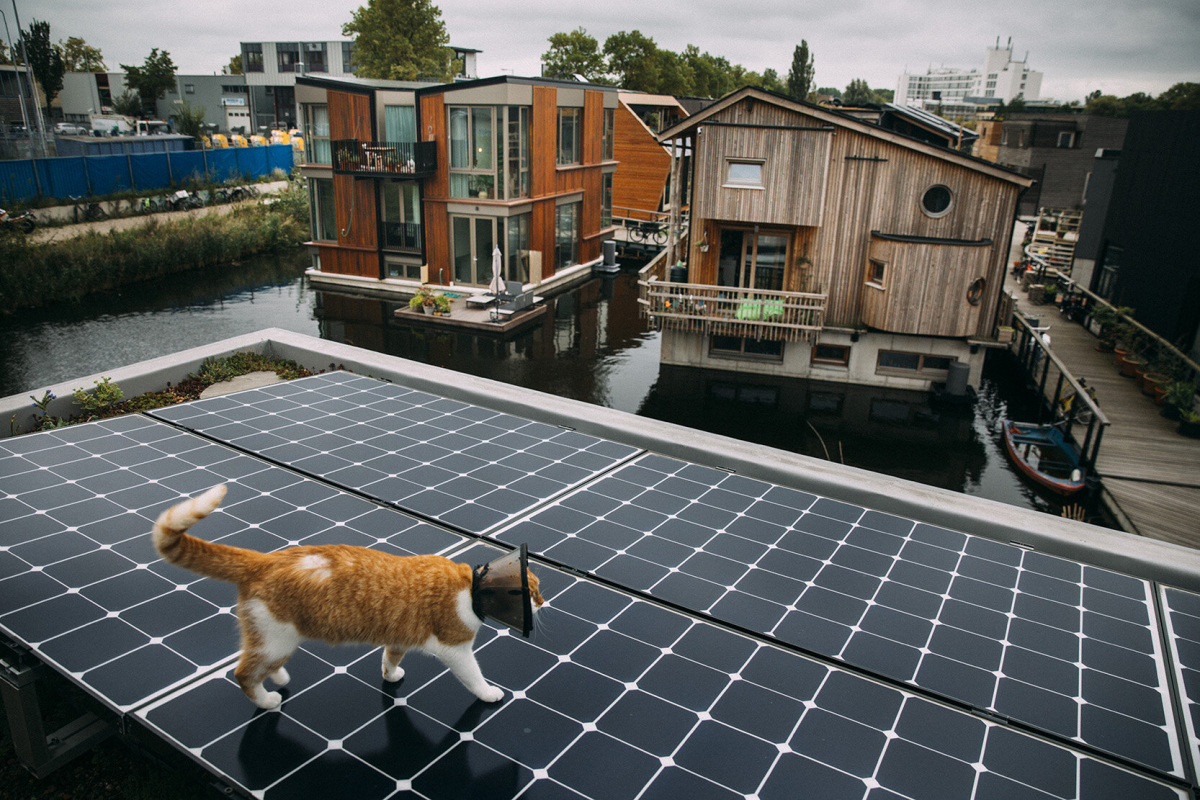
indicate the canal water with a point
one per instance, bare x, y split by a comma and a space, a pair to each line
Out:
590, 346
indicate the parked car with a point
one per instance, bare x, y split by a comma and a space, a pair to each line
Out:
70, 129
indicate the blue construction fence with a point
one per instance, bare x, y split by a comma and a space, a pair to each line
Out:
97, 176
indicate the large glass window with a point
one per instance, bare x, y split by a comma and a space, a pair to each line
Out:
316, 134
324, 221
401, 216
518, 152
472, 152
348, 57
252, 57
606, 189
752, 260
610, 116
473, 239
517, 267
919, 364
287, 55
746, 348
566, 236
314, 57
399, 123
569, 125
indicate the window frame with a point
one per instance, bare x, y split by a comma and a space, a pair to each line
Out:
921, 370
575, 210
477, 178
572, 156
252, 57
319, 220
976, 291
743, 183
937, 214
1070, 140
829, 361
608, 135
874, 281
311, 137
398, 195
721, 352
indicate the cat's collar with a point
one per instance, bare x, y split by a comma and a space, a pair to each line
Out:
500, 591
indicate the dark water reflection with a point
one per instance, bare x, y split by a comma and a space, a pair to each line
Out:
590, 346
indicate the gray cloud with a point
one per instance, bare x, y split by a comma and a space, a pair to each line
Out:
1111, 45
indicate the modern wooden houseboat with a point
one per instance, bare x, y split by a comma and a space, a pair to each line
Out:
824, 246
419, 183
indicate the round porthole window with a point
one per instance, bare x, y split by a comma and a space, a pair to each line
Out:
936, 201
975, 291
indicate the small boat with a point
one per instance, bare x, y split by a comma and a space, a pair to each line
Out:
1044, 454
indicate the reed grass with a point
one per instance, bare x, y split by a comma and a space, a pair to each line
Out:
34, 274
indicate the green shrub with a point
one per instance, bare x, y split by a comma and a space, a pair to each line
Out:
104, 396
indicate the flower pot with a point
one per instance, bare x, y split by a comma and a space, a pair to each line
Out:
1169, 410
1120, 354
1131, 365
1153, 379
1160, 393
1189, 429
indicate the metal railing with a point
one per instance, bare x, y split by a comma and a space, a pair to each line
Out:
402, 236
411, 159
726, 310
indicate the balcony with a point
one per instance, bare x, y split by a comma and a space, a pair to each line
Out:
728, 311
402, 236
400, 159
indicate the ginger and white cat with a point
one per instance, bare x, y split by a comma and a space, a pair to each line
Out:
336, 593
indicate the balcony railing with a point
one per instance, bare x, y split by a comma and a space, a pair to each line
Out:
402, 236
409, 159
728, 311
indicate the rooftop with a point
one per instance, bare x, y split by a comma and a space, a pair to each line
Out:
723, 619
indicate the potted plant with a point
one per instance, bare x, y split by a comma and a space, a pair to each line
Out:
422, 301
1180, 396
1133, 365
1189, 424
441, 305
1105, 316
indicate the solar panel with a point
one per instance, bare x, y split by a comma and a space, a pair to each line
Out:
1182, 615
460, 464
81, 583
613, 697
1069, 649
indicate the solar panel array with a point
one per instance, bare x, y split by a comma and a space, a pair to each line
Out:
614, 697
460, 464
715, 636
81, 582
1068, 649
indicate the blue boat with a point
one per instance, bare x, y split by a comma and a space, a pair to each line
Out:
1045, 455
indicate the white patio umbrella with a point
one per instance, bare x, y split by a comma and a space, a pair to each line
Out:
496, 287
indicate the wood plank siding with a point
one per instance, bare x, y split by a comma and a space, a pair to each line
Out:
543, 141
830, 183
593, 126
645, 167
354, 207
433, 129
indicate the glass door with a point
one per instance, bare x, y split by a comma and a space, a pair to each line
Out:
473, 239
752, 260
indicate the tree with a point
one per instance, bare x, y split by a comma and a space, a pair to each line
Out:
631, 58
79, 56
153, 78
189, 120
831, 91
1180, 97
710, 74
571, 54
235, 65
4, 59
44, 59
800, 76
885, 95
671, 73
128, 104
402, 40
771, 82
858, 94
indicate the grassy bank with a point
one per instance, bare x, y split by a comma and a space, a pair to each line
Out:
33, 274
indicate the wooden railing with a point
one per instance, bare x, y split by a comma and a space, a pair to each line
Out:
728, 311
410, 159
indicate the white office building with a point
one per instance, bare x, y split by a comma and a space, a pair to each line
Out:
1000, 78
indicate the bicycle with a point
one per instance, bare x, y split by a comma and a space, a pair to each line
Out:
150, 205
90, 210
1081, 413
649, 231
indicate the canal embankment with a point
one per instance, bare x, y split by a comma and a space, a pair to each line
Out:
106, 255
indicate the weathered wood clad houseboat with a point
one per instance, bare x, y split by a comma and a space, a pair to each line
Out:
824, 246
418, 183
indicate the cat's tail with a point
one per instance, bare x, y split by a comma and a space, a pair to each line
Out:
210, 559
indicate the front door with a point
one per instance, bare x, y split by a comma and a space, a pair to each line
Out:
751, 259
473, 239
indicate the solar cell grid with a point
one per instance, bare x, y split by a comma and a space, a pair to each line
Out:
463, 465
81, 583
1066, 648
678, 705
1182, 616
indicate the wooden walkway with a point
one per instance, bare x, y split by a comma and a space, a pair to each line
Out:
1150, 473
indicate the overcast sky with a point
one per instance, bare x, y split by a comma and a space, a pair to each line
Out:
1117, 46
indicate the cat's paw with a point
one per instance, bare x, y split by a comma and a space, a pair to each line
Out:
280, 677
393, 675
490, 694
268, 700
